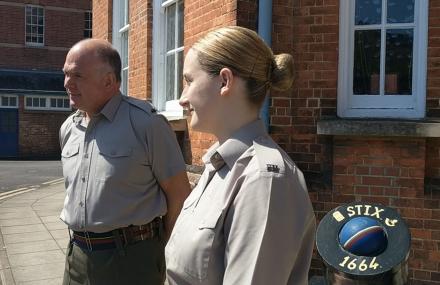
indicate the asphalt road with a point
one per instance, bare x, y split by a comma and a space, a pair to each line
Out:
19, 174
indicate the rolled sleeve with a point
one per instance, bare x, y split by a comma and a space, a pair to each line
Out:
269, 239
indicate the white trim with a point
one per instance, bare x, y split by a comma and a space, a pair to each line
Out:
121, 26
47, 99
9, 106
34, 44
160, 51
382, 106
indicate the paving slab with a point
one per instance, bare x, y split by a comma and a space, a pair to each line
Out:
35, 258
34, 246
38, 272
20, 237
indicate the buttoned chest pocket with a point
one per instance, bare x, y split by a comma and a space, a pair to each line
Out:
113, 162
69, 159
194, 248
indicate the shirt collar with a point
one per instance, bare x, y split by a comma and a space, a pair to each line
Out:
110, 108
235, 146
108, 111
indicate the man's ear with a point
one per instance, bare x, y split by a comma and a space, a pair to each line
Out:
227, 80
109, 79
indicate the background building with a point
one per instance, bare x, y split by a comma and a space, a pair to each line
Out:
34, 39
362, 118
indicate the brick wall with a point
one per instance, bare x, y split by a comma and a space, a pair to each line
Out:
309, 31
38, 133
140, 49
64, 25
102, 19
202, 16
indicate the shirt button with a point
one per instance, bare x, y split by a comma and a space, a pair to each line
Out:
86, 155
81, 204
83, 179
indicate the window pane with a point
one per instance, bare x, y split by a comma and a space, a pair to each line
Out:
29, 102
366, 69
40, 30
35, 102
12, 101
34, 20
171, 25
40, 11
28, 19
40, 39
60, 103
180, 23
399, 62
5, 101
170, 77
368, 12
66, 103
400, 11
179, 79
53, 102
42, 102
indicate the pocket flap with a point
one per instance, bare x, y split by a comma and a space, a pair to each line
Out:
70, 150
210, 220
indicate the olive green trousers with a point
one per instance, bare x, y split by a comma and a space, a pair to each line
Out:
139, 263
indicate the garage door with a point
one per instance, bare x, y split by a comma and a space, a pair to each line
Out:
8, 133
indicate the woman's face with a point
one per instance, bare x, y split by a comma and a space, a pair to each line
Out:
201, 95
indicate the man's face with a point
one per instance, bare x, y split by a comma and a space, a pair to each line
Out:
85, 80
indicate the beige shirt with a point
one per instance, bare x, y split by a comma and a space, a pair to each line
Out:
113, 163
248, 221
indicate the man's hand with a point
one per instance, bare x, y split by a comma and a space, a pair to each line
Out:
176, 189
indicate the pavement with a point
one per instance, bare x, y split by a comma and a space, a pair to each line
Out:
33, 239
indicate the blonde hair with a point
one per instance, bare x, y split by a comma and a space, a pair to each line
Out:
248, 56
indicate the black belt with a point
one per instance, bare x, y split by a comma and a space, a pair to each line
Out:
109, 240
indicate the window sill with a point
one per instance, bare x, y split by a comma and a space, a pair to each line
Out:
428, 128
177, 122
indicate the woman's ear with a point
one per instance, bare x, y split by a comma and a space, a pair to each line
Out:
227, 80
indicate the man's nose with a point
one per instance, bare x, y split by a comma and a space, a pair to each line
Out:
67, 81
183, 101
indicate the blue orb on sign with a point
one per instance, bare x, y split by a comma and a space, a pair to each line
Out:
363, 236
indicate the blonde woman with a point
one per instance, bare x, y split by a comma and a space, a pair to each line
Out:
249, 220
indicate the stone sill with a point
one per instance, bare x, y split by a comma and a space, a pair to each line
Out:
426, 128
178, 123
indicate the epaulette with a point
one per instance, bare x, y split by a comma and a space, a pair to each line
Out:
268, 156
141, 104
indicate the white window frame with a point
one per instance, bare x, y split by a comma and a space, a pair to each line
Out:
120, 36
377, 106
37, 44
170, 108
47, 100
88, 23
9, 106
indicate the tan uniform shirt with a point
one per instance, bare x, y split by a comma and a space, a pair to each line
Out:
248, 221
113, 163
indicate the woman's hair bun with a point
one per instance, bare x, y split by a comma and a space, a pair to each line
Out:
282, 72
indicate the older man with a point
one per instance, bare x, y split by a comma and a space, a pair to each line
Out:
123, 172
